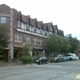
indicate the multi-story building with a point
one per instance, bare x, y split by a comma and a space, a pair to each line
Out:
25, 29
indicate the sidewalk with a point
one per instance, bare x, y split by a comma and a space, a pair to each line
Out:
13, 65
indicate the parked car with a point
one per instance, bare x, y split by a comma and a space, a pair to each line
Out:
72, 56
77, 58
58, 58
66, 58
41, 60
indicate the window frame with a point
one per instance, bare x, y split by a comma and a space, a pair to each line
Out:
17, 38
27, 27
19, 24
4, 21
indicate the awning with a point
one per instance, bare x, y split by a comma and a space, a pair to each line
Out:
38, 48
7, 48
17, 48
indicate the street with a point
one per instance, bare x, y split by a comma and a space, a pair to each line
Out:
50, 71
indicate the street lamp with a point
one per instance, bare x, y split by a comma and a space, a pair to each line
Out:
44, 52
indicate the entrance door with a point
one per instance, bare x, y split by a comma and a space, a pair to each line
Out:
5, 56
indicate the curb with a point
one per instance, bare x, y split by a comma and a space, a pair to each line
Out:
17, 66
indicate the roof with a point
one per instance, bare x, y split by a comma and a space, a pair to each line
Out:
48, 26
45, 26
39, 24
55, 28
33, 22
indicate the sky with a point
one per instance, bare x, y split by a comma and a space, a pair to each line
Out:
63, 13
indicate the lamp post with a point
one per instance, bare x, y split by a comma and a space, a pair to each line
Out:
44, 52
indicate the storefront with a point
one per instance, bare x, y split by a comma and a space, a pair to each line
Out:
4, 55
38, 52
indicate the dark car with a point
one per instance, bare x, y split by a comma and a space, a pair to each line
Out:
58, 58
41, 60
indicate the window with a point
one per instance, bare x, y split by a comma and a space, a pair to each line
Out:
27, 39
18, 38
56, 31
27, 27
4, 20
35, 30
23, 26
35, 41
8, 20
51, 29
19, 24
40, 31
46, 33
40, 42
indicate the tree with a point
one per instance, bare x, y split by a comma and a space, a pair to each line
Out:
74, 42
65, 45
52, 44
58, 44
25, 50
4, 37
25, 54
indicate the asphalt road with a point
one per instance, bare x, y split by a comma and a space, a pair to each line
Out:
50, 71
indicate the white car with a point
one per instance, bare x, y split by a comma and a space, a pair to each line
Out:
77, 58
72, 56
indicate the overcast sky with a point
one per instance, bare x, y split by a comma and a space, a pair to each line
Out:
64, 13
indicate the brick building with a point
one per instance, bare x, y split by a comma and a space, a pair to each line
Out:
25, 29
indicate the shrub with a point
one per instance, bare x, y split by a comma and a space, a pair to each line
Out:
26, 59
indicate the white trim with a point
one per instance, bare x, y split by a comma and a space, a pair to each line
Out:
28, 32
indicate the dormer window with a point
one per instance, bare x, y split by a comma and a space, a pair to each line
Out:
19, 24
27, 27
51, 29
56, 31
35, 29
40, 31
45, 33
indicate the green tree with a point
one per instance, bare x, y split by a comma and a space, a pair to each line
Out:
65, 45
74, 42
26, 58
58, 44
4, 37
52, 44
25, 50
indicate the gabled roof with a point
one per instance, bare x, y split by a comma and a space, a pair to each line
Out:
24, 19
48, 26
28, 19
59, 32
19, 16
33, 22
55, 28
39, 24
45, 26
4, 9
4, 5
62, 33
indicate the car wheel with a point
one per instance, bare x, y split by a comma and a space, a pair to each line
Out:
46, 62
57, 61
40, 62
70, 59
